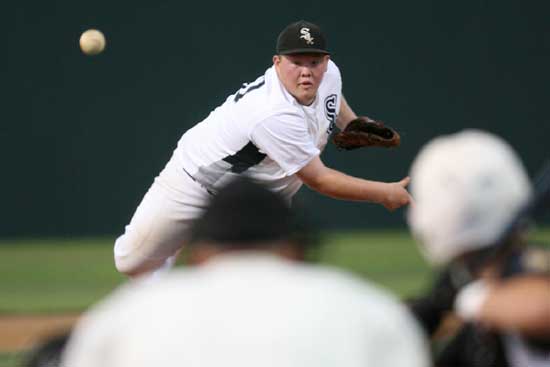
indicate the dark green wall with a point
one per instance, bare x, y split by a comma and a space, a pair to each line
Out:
82, 138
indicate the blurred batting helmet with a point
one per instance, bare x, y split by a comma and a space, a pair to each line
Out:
467, 187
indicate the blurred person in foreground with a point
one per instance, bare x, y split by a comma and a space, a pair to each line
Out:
467, 189
248, 299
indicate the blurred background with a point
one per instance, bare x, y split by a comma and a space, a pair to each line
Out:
81, 138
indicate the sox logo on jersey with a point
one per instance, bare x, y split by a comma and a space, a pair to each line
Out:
330, 111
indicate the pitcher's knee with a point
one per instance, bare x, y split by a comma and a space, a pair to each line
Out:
123, 256
128, 258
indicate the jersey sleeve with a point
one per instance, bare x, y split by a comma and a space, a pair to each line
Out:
334, 71
285, 138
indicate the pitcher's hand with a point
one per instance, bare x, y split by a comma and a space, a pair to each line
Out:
397, 194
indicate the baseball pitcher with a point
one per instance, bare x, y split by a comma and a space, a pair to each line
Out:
273, 129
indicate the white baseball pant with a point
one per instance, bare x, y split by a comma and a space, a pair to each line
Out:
158, 228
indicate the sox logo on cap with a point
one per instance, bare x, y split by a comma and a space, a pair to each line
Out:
306, 35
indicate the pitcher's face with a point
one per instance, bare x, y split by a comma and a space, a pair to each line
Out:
301, 74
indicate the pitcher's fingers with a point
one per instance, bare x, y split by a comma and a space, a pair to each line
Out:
405, 182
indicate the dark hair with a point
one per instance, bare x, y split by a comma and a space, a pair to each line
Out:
243, 212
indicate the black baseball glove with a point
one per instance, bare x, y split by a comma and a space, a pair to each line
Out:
363, 132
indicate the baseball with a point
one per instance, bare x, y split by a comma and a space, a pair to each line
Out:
92, 42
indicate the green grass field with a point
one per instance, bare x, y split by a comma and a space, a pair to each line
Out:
61, 275
8, 360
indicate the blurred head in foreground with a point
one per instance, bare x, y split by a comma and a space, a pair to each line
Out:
467, 187
245, 215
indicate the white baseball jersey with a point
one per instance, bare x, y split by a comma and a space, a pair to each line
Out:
249, 310
262, 131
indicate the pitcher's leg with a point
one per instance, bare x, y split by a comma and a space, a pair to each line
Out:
154, 234
159, 226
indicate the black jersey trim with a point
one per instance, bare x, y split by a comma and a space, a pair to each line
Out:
245, 158
240, 95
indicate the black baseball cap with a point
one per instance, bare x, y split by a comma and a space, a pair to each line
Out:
301, 37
